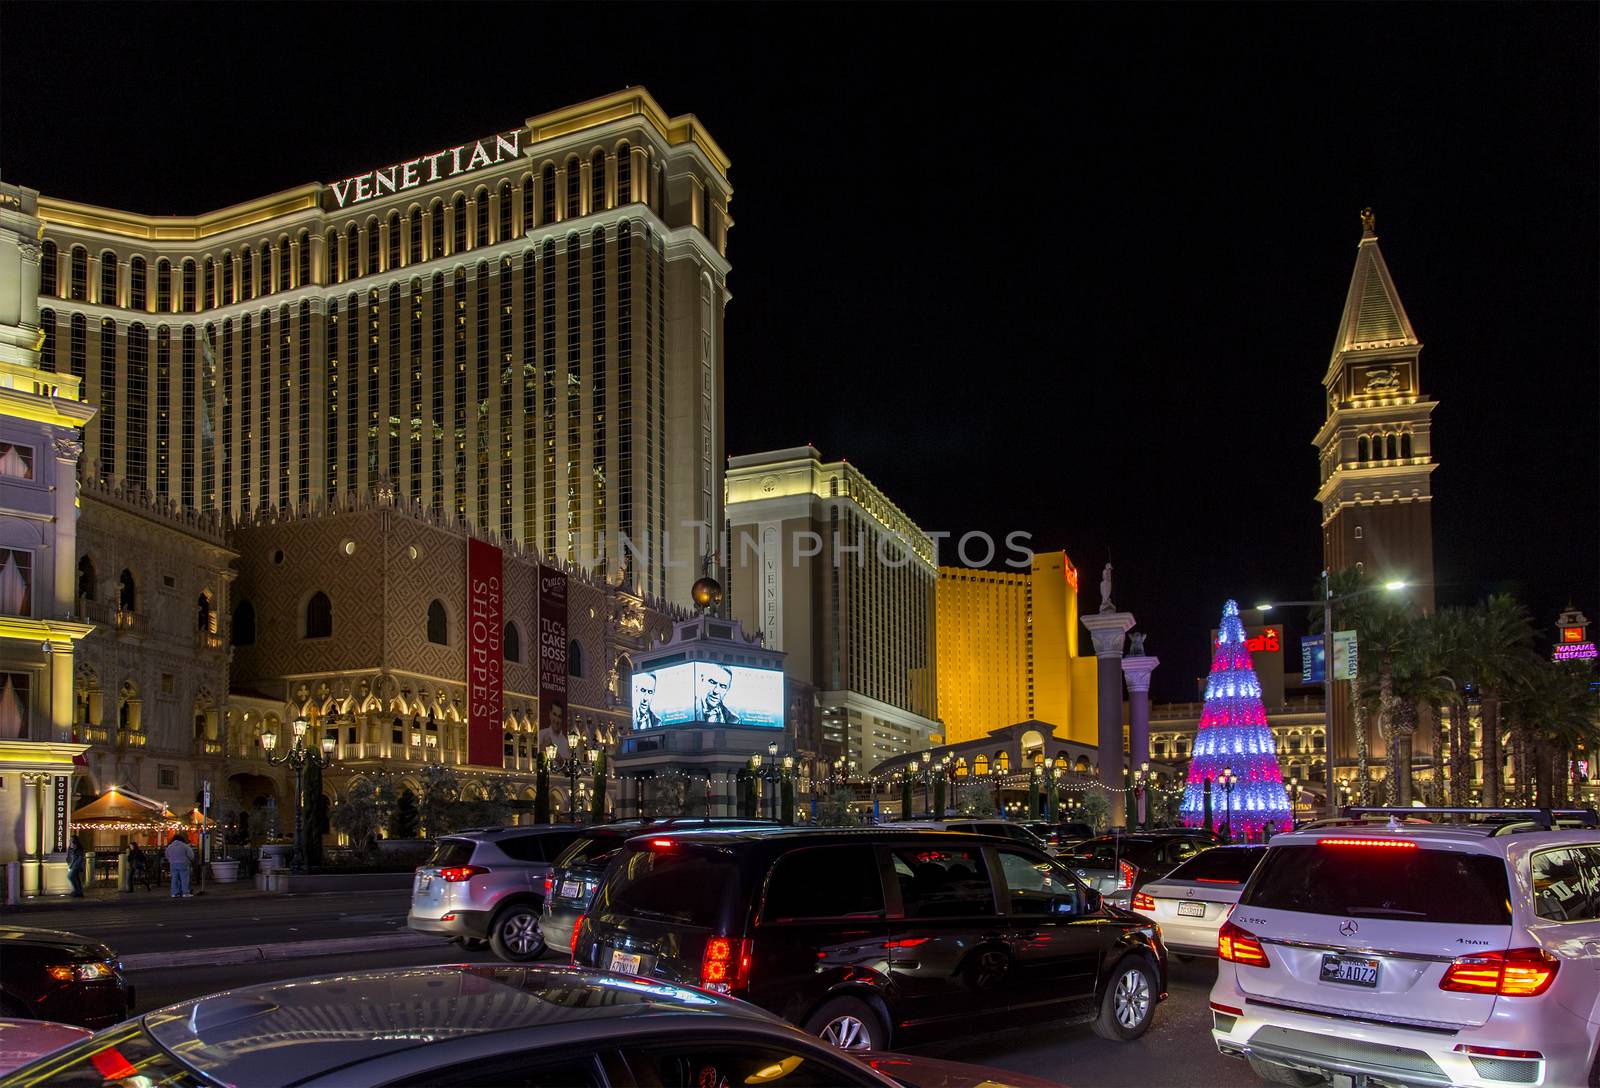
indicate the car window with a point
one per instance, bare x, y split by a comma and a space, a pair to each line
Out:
522, 848
675, 882
1224, 865
1037, 886
594, 849
825, 882
943, 883
1181, 850
537, 1069
451, 852
1566, 883
723, 1065
1402, 885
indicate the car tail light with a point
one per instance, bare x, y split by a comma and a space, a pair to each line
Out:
1516, 972
1229, 1009
725, 967
549, 883
1141, 901
1376, 844
1126, 873
1495, 1051
661, 844
455, 874
1240, 946
577, 927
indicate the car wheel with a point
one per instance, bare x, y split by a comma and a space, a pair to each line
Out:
515, 935
1273, 1073
1129, 1004
849, 1024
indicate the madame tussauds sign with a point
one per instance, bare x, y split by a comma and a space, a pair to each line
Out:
461, 159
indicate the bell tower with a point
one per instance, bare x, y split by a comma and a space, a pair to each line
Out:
1375, 448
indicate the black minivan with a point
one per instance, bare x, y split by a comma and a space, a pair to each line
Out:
872, 937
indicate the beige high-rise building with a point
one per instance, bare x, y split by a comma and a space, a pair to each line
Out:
1008, 651
522, 332
840, 579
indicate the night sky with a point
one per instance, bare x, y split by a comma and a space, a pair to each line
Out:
1073, 270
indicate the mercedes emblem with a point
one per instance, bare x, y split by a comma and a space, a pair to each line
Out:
1348, 927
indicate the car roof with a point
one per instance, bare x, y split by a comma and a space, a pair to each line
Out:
509, 832
287, 1031
798, 836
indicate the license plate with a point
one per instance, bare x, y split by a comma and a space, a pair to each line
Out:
1350, 971
624, 963
569, 889
1191, 910
424, 882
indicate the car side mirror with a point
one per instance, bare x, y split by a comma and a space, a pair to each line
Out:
1092, 901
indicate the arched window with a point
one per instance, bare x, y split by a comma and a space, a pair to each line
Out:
374, 247
393, 248
574, 188
458, 216
414, 231
47, 269
205, 614
187, 299
163, 286
138, 295
1405, 445
547, 194
108, 278
980, 764
47, 345
227, 279
597, 182
127, 594
282, 272
319, 616
352, 252
480, 208
1363, 449
264, 284
244, 624
624, 174
85, 579
436, 240
1391, 446
333, 257
438, 624
247, 273
512, 643
208, 284
78, 281
574, 658
1002, 762
304, 264
961, 767
506, 202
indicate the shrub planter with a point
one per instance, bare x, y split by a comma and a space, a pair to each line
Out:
225, 872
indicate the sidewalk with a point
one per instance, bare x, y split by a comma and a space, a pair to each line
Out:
107, 895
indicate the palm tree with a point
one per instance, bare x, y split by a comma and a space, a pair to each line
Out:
1389, 635
1497, 652
1357, 612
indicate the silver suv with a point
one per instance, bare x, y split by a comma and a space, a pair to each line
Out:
487, 885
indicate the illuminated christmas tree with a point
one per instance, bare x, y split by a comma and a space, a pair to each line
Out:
1233, 735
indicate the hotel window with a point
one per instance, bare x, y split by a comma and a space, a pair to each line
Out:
624, 174
187, 299
458, 356
247, 269
352, 386
108, 278
574, 188
47, 269
527, 204
438, 624
414, 364
547, 357
503, 195
547, 195
319, 616
16, 582
436, 241
372, 247
186, 392
333, 257
574, 383
163, 286
393, 248
507, 435
304, 262
106, 417
138, 400
597, 182
414, 233
528, 346
280, 265
374, 410
162, 407
227, 279
208, 284
138, 297
303, 331
14, 705
597, 384
480, 216
481, 399
434, 422
47, 344
458, 224
625, 390
330, 452
352, 252
78, 283
16, 461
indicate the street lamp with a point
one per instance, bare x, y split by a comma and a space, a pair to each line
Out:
1140, 778
1326, 604
297, 757
571, 766
1295, 790
1227, 781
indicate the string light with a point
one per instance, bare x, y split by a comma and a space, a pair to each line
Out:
1233, 733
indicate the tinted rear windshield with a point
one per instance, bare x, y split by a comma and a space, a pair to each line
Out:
1401, 885
686, 885
1231, 865
450, 852
595, 850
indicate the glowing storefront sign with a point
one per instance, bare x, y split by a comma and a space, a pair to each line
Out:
461, 159
1575, 651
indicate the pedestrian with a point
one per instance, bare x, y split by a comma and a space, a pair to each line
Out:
179, 855
75, 860
138, 867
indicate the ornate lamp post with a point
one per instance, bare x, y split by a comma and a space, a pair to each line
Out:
1141, 778
1227, 780
1295, 790
297, 756
572, 766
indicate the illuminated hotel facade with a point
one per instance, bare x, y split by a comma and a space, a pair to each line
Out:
521, 333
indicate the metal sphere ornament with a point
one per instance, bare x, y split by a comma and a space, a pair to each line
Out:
707, 593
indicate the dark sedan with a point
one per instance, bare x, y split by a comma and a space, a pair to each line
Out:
48, 974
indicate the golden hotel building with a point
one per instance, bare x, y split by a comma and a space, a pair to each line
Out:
522, 333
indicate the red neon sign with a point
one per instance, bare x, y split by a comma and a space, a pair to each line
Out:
1572, 634
1265, 642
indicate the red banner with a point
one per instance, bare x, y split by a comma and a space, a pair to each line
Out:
552, 654
486, 626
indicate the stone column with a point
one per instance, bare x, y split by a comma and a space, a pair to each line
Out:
1107, 630
1136, 672
31, 852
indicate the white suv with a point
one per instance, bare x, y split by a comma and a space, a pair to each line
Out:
1416, 954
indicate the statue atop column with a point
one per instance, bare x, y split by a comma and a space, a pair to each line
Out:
1105, 591
1136, 644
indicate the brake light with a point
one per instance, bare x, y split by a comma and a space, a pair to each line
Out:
1240, 946
1141, 901
1516, 972
725, 967
576, 929
1125, 874
549, 883
1214, 880
455, 874
1380, 844
661, 844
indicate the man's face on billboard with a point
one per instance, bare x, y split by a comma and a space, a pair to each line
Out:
714, 685
644, 690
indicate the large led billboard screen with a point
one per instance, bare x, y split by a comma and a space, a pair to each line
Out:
703, 692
